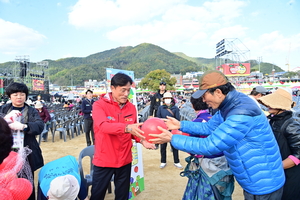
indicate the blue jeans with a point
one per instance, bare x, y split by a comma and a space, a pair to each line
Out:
45, 134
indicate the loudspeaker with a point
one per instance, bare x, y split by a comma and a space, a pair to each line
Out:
46, 87
23, 69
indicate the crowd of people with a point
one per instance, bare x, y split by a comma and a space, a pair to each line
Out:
253, 139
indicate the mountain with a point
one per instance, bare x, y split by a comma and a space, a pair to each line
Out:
141, 59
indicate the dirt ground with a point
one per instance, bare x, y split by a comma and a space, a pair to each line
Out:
160, 184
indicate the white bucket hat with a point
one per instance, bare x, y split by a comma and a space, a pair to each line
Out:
167, 95
63, 188
38, 105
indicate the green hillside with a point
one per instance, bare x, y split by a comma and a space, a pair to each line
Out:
141, 59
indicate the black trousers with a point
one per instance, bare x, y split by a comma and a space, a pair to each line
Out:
88, 127
276, 195
163, 153
102, 177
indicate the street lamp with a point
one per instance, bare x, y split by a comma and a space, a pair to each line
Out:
259, 60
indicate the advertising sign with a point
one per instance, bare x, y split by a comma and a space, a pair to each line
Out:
235, 69
137, 171
38, 85
1, 86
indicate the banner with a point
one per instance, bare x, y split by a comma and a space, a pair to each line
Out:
235, 69
37, 85
1, 86
137, 170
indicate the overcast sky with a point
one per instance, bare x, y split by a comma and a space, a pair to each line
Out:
53, 29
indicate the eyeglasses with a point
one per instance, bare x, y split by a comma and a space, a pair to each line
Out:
162, 83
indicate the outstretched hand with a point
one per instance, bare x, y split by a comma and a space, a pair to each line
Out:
164, 137
172, 123
135, 130
148, 145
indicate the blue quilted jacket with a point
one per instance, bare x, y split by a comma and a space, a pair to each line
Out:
241, 131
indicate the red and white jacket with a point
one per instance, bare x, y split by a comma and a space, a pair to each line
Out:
112, 144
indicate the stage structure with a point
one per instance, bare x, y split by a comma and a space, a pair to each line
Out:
34, 75
6, 78
42, 67
232, 57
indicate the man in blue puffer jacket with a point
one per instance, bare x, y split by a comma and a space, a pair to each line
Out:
240, 130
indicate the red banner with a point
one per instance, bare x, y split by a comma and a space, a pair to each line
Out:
1, 83
235, 69
37, 85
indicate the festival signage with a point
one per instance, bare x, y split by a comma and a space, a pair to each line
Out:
1, 86
235, 69
137, 170
37, 85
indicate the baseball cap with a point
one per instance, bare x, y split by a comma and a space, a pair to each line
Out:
261, 89
210, 79
63, 188
162, 83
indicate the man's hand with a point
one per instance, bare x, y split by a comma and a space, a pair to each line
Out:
12, 116
135, 130
164, 137
172, 123
16, 126
148, 145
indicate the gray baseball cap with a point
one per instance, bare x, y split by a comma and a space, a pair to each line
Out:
261, 89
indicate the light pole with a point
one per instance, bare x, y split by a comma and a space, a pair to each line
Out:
259, 60
71, 82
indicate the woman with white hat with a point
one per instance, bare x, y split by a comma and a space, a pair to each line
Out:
60, 180
287, 132
168, 109
44, 114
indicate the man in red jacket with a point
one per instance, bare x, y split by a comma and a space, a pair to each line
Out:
115, 125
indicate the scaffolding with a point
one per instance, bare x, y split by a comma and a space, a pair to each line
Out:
231, 50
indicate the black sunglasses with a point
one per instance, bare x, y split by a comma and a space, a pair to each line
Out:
162, 83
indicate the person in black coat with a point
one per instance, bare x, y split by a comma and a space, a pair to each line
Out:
86, 108
6, 140
287, 133
30, 125
168, 109
156, 99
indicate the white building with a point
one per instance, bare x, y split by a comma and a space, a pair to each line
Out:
190, 75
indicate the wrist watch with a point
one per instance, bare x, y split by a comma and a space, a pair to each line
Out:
128, 130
